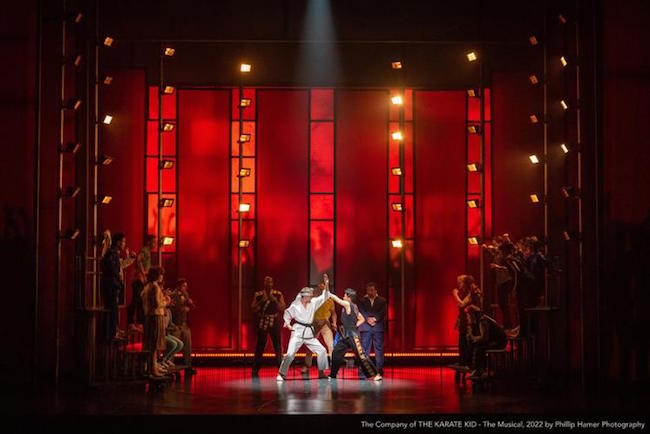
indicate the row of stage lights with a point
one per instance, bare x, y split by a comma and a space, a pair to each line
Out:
568, 192
74, 104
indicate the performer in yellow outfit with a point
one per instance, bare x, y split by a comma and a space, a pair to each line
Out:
324, 325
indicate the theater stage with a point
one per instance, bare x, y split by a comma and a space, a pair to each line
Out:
405, 390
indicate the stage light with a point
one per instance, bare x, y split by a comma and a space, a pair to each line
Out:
534, 198
166, 164
108, 119
72, 104
566, 235
244, 243
396, 64
167, 241
561, 18
564, 148
563, 61
169, 90
104, 199
243, 138
533, 40
166, 202
107, 80
398, 244
397, 135
474, 129
77, 60
533, 79
71, 234
71, 148
244, 207
397, 171
471, 56
564, 105
473, 240
244, 172
244, 102
70, 192
533, 118
169, 52
78, 17
568, 191
397, 100
473, 92
108, 41
105, 160
397, 206
473, 203
473, 167
168, 127
245, 67
533, 159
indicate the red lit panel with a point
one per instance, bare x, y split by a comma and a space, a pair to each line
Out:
246, 198
322, 206
248, 112
474, 147
249, 181
248, 233
474, 108
168, 180
168, 140
407, 99
168, 219
168, 101
249, 147
488, 179
321, 252
322, 157
395, 217
153, 102
322, 104
474, 182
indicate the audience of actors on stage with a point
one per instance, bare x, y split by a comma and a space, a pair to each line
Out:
159, 314
519, 272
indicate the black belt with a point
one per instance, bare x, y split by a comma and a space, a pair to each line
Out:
309, 325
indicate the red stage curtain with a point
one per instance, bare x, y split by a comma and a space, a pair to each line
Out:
282, 192
361, 189
440, 214
203, 131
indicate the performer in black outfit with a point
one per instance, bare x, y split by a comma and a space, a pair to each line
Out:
465, 294
351, 318
489, 335
267, 304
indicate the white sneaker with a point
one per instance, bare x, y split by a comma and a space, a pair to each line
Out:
279, 378
377, 378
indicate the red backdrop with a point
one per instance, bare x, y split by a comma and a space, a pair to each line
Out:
203, 129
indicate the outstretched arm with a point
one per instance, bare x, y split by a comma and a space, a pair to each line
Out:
337, 300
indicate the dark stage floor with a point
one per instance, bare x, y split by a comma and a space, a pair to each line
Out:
405, 390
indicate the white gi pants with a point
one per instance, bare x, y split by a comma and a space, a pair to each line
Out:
296, 341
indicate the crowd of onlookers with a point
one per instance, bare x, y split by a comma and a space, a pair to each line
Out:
156, 313
519, 273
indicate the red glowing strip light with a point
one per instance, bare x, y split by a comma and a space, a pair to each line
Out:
251, 355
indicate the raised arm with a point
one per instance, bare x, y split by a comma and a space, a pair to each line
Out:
318, 301
337, 300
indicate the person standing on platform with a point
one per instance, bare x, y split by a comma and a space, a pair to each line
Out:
112, 283
142, 265
181, 305
465, 294
351, 319
266, 306
489, 335
324, 325
373, 307
302, 312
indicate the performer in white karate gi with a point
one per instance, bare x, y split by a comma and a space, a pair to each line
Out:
302, 331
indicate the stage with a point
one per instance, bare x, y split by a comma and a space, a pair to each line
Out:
426, 390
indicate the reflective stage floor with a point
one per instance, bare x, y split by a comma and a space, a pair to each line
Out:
405, 390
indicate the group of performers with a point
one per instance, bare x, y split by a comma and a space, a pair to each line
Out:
312, 314
477, 332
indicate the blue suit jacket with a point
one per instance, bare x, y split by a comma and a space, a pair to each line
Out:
377, 310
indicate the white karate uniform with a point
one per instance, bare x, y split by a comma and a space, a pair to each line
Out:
302, 334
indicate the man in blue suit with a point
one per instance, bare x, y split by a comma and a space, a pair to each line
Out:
373, 308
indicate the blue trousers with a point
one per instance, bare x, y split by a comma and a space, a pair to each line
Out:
377, 341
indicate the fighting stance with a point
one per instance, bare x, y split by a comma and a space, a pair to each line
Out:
267, 304
302, 332
324, 325
351, 318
